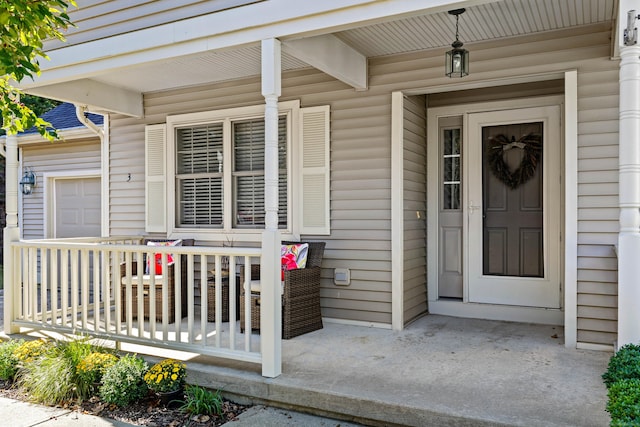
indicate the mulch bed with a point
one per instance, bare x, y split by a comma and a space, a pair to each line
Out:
146, 412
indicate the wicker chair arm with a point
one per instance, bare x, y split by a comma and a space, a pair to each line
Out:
301, 282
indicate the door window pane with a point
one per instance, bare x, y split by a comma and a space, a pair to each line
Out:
451, 167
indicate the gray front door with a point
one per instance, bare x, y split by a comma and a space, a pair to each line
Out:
512, 200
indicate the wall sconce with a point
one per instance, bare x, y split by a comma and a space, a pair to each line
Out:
457, 59
28, 182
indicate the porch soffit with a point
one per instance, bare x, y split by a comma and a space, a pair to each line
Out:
481, 22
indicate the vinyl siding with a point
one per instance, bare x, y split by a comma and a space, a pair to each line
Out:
415, 202
98, 19
361, 161
48, 158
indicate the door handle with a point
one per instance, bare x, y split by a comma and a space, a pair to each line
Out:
473, 208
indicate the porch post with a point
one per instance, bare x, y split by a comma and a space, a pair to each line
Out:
629, 186
11, 230
271, 302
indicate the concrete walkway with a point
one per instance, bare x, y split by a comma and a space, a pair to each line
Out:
16, 413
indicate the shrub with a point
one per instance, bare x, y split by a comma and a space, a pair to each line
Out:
123, 382
167, 375
624, 402
92, 367
200, 401
8, 360
30, 350
625, 364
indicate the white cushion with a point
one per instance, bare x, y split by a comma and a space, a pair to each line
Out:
146, 279
255, 286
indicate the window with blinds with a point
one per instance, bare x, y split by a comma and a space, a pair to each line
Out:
200, 174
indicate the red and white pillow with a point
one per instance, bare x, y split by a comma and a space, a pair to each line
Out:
158, 257
293, 256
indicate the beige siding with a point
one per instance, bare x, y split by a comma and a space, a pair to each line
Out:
415, 202
361, 160
51, 158
97, 19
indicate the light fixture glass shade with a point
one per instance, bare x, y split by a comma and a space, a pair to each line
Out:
457, 61
28, 182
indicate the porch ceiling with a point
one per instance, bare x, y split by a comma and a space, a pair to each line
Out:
482, 21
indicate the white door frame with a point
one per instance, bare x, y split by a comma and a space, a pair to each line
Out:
49, 199
570, 209
465, 308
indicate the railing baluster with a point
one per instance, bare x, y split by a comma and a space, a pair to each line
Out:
246, 283
204, 298
74, 286
55, 282
140, 291
117, 293
232, 302
64, 285
107, 257
177, 294
165, 297
97, 269
218, 299
191, 299
33, 284
84, 287
44, 284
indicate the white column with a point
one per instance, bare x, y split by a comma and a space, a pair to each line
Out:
629, 188
11, 231
270, 294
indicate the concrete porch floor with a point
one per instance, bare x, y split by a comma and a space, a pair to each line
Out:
438, 371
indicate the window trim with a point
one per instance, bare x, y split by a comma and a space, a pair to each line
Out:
292, 109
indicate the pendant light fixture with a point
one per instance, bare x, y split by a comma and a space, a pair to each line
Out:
457, 59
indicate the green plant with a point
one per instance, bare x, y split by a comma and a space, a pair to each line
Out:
624, 402
166, 375
93, 366
123, 382
200, 401
625, 364
8, 361
48, 378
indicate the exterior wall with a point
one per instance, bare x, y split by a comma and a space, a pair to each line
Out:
361, 156
415, 202
47, 157
97, 19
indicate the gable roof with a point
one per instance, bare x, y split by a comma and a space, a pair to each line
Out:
64, 117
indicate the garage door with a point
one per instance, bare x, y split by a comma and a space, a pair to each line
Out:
77, 207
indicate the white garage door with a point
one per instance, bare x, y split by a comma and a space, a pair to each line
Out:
77, 207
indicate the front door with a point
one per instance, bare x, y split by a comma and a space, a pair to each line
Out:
513, 205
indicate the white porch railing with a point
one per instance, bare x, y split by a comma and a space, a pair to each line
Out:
77, 286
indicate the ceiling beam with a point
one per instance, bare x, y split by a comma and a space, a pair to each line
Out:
98, 97
333, 56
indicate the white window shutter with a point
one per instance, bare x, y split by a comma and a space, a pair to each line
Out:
315, 170
155, 191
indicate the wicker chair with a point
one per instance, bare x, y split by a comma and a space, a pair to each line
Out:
158, 285
300, 296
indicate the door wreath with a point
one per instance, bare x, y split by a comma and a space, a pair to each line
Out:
530, 144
